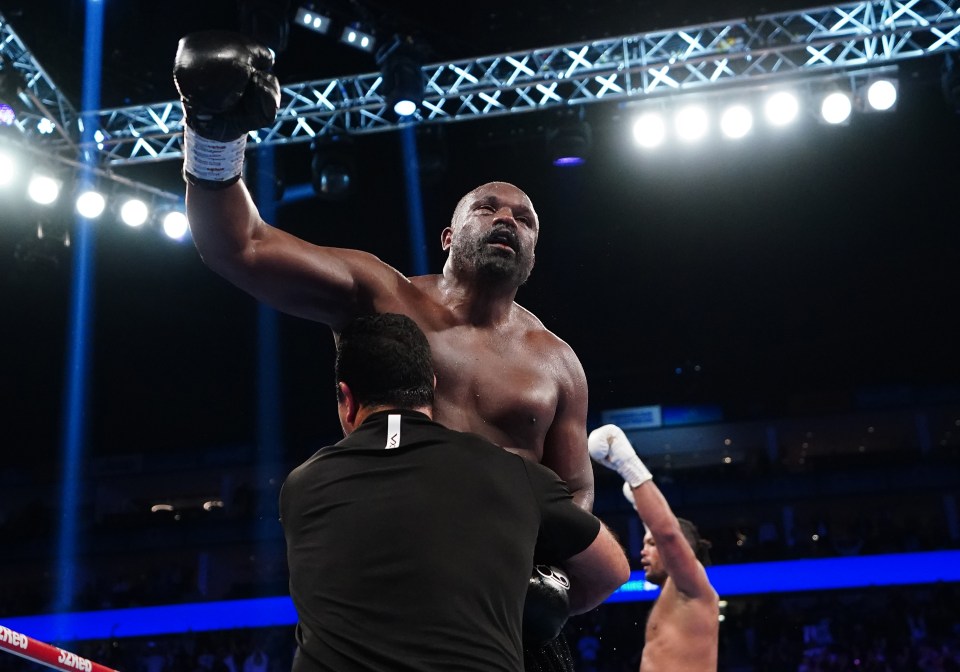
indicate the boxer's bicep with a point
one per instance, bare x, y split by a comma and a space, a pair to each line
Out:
565, 447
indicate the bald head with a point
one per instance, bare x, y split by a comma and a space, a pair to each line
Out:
492, 235
490, 188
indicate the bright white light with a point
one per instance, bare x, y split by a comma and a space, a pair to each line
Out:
649, 130
405, 108
736, 121
781, 108
175, 225
351, 37
8, 169
316, 22
43, 189
365, 42
882, 95
691, 123
45, 126
836, 108
90, 204
134, 212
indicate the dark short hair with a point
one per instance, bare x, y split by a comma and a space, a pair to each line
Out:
385, 360
701, 547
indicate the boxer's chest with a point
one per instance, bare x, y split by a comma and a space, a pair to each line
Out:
497, 387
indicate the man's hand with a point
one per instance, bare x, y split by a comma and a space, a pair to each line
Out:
609, 446
226, 90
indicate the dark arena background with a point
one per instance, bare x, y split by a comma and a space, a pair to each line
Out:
768, 306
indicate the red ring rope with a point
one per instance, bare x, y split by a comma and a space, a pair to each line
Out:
45, 654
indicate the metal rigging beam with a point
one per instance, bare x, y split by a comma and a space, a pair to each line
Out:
839, 39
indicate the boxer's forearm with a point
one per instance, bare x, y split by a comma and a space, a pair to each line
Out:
222, 222
596, 572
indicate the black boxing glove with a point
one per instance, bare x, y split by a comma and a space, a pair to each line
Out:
226, 89
547, 606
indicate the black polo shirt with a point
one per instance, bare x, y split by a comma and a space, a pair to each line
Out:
410, 547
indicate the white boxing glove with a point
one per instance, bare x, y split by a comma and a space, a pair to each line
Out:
610, 447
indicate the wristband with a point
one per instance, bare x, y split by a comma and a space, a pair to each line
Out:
212, 163
634, 472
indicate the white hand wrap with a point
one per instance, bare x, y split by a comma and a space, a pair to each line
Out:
610, 447
211, 160
628, 495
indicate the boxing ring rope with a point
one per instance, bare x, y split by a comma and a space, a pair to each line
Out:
46, 654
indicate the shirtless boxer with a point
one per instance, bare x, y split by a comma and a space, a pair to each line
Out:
683, 627
500, 372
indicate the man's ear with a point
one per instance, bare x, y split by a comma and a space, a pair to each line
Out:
348, 405
445, 237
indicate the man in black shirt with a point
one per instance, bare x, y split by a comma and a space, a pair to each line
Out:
409, 544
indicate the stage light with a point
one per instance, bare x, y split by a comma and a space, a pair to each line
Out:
12, 84
569, 143
881, 95
836, 108
311, 20
649, 130
781, 108
175, 225
358, 39
43, 189
401, 69
7, 115
736, 122
691, 123
134, 212
91, 204
8, 169
333, 168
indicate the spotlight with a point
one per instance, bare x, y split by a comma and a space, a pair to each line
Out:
358, 39
12, 84
333, 168
569, 143
311, 20
836, 108
402, 72
175, 225
7, 115
736, 122
43, 189
90, 204
881, 95
781, 108
134, 212
649, 130
691, 123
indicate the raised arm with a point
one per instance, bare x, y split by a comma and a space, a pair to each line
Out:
227, 89
610, 447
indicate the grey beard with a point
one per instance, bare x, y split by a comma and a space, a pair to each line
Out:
494, 267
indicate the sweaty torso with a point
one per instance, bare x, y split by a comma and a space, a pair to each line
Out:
682, 634
501, 382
